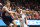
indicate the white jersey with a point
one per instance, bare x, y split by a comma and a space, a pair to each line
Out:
23, 15
22, 20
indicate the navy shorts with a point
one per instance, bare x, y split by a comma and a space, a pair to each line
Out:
7, 20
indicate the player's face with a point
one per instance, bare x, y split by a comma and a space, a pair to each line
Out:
8, 4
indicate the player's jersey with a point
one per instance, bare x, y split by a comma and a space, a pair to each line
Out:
23, 15
7, 14
23, 19
7, 8
4, 14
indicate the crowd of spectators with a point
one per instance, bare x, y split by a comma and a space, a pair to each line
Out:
30, 4
24, 4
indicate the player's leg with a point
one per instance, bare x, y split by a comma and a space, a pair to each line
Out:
21, 22
6, 21
9, 25
13, 22
13, 16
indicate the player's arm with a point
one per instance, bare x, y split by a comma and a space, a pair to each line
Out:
24, 11
13, 16
5, 9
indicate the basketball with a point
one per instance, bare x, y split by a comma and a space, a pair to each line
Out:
36, 15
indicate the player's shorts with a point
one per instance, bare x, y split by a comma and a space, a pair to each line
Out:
7, 20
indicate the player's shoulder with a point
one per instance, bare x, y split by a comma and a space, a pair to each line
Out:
4, 7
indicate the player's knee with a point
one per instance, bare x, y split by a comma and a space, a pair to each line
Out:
15, 24
9, 25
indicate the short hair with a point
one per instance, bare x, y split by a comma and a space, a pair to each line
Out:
7, 2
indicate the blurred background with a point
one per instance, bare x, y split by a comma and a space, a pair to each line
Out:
28, 5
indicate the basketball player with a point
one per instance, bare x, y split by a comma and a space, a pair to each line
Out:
5, 15
22, 16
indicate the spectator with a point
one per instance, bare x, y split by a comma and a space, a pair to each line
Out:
0, 10
13, 6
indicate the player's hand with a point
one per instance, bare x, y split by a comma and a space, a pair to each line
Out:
15, 18
35, 12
